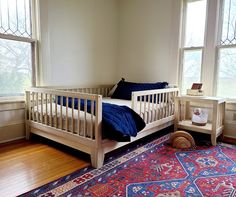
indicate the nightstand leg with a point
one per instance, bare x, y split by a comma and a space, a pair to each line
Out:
215, 116
213, 140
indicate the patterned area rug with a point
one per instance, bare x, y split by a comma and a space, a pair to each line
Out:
154, 169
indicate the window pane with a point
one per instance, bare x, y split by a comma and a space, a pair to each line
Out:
227, 73
195, 23
15, 67
191, 69
15, 17
229, 21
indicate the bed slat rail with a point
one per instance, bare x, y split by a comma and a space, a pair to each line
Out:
154, 105
101, 90
59, 109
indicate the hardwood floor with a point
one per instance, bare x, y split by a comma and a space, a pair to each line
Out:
26, 165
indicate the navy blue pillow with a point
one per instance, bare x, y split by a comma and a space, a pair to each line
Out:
124, 89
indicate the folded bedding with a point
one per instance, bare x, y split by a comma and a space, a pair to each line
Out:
150, 111
118, 122
123, 89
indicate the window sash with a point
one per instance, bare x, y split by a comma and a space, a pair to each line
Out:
218, 47
220, 25
184, 24
16, 17
217, 73
34, 52
183, 50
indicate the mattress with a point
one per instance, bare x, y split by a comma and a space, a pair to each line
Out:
82, 123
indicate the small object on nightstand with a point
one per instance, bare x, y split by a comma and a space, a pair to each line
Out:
199, 117
191, 92
195, 90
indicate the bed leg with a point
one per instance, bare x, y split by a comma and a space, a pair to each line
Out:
27, 131
97, 158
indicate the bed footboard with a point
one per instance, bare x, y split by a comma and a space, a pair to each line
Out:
156, 107
54, 114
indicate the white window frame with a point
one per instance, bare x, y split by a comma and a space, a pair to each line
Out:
33, 41
183, 48
210, 49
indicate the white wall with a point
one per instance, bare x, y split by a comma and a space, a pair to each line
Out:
12, 120
100, 41
230, 120
148, 40
78, 42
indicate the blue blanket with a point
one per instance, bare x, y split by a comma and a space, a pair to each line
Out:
118, 122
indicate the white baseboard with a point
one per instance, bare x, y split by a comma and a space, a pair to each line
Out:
10, 132
230, 136
13, 139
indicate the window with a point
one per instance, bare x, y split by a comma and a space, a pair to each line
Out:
192, 46
208, 50
226, 79
17, 46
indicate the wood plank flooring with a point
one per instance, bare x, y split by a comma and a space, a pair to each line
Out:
26, 165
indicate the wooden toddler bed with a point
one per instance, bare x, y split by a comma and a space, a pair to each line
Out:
48, 117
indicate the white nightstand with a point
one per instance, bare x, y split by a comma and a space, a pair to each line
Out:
183, 114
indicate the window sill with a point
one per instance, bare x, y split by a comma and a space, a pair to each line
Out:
12, 99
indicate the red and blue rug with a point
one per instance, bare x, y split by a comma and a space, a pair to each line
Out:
154, 169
